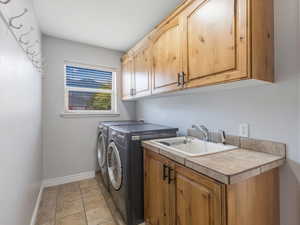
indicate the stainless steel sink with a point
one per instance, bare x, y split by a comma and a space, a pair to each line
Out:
192, 147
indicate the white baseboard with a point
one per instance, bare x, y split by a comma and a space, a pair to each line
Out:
36, 207
68, 179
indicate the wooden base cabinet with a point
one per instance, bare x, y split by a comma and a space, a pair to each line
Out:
158, 191
176, 195
198, 199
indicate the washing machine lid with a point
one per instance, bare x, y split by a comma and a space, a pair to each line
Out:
118, 123
101, 151
143, 128
114, 166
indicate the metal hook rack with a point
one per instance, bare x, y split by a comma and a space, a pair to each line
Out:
30, 50
5, 2
11, 20
25, 34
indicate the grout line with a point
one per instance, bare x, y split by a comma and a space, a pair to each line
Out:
83, 205
57, 194
106, 195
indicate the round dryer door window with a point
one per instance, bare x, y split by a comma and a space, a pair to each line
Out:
114, 166
101, 150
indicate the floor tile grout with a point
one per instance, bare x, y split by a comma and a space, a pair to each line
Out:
56, 205
62, 199
83, 205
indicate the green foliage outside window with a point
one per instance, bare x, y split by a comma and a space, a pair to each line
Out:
100, 101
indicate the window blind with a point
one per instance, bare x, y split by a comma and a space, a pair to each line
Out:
88, 78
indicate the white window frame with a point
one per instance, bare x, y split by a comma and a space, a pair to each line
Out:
114, 93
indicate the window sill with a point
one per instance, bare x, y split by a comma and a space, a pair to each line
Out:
88, 114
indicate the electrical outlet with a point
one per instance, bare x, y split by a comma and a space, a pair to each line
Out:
244, 130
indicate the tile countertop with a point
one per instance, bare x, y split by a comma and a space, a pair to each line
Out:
231, 166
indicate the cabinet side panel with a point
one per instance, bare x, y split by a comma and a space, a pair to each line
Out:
254, 201
262, 34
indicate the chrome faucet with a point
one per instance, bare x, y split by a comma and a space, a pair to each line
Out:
203, 130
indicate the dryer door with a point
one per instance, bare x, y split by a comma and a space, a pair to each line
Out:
114, 166
101, 151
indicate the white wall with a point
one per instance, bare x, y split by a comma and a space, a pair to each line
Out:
69, 144
273, 112
20, 124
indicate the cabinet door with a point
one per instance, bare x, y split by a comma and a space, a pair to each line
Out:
127, 78
157, 193
198, 199
214, 41
142, 73
166, 57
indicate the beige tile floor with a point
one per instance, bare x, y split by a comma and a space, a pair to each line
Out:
78, 203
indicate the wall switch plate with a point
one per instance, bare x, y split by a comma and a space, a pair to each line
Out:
244, 130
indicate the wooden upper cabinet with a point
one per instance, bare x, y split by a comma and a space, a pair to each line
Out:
127, 77
209, 42
214, 41
142, 73
198, 199
166, 56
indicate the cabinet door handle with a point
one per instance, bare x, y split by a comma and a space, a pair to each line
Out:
183, 79
170, 179
178, 79
165, 175
132, 91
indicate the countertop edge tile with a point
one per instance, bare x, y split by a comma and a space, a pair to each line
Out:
244, 175
224, 177
151, 147
177, 157
272, 165
207, 171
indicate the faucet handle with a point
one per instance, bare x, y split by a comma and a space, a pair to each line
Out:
223, 136
204, 128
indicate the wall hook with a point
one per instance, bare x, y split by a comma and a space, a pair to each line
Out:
35, 62
31, 46
5, 2
11, 20
30, 53
33, 57
23, 35
28, 50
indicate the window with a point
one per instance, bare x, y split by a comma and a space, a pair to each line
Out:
90, 90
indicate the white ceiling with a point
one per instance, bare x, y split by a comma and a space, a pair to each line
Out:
114, 24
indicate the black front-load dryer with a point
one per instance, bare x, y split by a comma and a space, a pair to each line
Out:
102, 143
125, 167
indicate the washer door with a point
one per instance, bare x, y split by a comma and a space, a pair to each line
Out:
114, 166
101, 150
